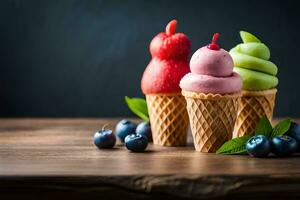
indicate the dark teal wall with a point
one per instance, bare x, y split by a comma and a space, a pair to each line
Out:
72, 58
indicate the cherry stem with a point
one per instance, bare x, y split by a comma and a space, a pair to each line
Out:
104, 126
170, 28
213, 45
215, 38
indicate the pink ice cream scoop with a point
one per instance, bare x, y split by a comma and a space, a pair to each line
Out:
211, 71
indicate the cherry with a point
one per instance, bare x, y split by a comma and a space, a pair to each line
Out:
213, 45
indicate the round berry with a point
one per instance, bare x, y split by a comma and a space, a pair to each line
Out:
258, 146
144, 129
294, 132
105, 139
124, 128
136, 143
284, 145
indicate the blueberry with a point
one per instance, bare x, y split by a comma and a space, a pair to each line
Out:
294, 132
283, 145
258, 146
144, 129
105, 139
136, 143
124, 128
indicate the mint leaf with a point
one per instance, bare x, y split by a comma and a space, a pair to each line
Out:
282, 127
234, 146
264, 127
138, 106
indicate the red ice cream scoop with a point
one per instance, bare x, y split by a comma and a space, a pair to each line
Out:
170, 52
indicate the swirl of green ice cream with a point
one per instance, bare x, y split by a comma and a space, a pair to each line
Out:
251, 61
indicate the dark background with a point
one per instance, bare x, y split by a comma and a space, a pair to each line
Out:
72, 58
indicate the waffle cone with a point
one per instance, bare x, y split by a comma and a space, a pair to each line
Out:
252, 106
168, 119
212, 118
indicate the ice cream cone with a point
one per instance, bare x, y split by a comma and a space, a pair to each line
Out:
212, 118
168, 119
252, 106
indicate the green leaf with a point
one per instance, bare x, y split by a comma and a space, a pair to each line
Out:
281, 128
138, 106
234, 146
264, 127
248, 37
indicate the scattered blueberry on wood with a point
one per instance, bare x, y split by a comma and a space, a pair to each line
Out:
294, 132
144, 128
258, 146
136, 142
283, 145
104, 139
124, 128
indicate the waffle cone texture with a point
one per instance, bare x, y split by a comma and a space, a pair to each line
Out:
212, 118
168, 118
252, 106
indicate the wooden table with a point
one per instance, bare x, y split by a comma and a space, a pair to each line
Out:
56, 158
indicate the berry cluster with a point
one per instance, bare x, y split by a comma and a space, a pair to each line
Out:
284, 145
134, 136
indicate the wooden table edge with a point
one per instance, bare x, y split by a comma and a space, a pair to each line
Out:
172, 185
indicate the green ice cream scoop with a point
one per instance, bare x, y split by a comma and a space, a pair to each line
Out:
251, 61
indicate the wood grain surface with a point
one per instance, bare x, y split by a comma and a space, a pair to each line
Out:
56, 158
